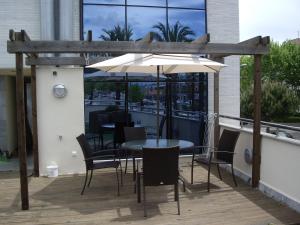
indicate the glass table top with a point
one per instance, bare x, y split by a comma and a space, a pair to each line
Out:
154, 143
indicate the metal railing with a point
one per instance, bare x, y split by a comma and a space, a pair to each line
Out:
272, 128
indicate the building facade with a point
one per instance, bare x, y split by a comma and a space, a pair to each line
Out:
69, 20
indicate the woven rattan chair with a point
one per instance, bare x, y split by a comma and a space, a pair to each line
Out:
160, 167
223, 155
91, 165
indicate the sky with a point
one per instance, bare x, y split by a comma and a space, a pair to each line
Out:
279, 19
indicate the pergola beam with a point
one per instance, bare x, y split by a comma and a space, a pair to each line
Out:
63, 61
122, 47
256, 41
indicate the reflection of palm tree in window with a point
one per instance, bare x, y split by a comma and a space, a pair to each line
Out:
118, 33
175, 33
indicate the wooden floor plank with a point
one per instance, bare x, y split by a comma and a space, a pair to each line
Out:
58, 201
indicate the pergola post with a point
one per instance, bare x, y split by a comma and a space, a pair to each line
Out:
257, 119
35, 150
216, 109
217, 104
126, 94
21, 130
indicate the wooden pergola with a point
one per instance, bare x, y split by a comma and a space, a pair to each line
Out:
19, 44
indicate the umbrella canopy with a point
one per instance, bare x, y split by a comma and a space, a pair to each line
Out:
168, 64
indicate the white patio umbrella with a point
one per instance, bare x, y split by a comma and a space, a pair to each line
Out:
159, 63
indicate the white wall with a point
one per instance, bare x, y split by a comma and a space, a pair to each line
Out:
60, 117
17, 15
280, 165
223, 26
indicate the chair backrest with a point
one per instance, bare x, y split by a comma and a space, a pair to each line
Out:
120, 116
160, 166
227, 143
119, 136
86, 148
161, 125
94, 116
134, 133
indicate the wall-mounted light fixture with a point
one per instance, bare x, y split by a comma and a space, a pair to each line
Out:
59, 91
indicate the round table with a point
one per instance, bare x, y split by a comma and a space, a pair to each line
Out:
138, 145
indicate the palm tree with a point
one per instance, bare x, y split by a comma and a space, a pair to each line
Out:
175, 33
118, 33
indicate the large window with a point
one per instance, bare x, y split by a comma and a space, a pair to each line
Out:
138, 17
171, 20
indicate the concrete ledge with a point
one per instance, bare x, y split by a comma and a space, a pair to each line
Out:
278, 196
266, 189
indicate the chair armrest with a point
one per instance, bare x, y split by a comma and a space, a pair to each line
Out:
202, 146
104, 150
223, 152
98, 157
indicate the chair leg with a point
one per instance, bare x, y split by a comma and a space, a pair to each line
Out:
183, 182
90, 178
233, 176
178, 204
192, 171
118, 181
144, 197
219, 172
133, 166
138, 187
208, 177
86, 177
121, 171
126, 162
176, 192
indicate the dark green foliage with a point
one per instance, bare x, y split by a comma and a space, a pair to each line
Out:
135, 94
281, 82
277, 101
282, 65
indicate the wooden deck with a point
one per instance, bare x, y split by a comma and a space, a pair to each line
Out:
57, 201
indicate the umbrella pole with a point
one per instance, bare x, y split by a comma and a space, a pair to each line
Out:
157, 105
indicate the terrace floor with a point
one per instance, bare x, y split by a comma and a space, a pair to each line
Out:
58, 201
